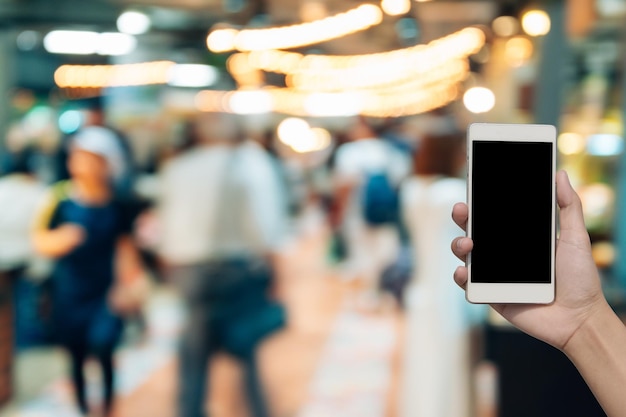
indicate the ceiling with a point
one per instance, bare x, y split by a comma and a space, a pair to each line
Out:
180, 27
190, 20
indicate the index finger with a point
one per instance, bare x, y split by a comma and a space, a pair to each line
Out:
460, 214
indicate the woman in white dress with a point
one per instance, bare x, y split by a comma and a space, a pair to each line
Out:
436, 381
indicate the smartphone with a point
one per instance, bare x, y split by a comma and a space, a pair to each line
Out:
512, 213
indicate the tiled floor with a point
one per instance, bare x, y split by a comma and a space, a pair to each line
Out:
330, 361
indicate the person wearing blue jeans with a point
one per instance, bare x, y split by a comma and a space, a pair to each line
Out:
218, 200
200, 341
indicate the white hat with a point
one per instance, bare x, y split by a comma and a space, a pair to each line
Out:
104, 142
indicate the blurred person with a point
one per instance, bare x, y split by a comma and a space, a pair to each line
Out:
88, 234
436, 379
370, 247
220, 201
580, 322
20, 194
93, 114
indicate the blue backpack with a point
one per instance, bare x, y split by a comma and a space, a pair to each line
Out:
380, 200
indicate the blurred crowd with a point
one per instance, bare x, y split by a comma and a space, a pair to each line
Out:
209, 216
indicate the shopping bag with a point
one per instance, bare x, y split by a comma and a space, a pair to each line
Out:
246, 314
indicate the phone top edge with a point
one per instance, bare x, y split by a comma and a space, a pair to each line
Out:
503, 132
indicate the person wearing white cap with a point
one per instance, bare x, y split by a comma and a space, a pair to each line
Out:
87, 231
102, 141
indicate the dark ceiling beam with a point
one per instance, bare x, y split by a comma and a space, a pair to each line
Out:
58, 12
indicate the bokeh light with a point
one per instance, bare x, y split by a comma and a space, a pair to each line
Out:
133, 23
395, 7
536, 23
518, 50
505, 26
571, 143
479, 99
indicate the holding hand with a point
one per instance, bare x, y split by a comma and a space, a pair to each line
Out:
580, 321
578, 290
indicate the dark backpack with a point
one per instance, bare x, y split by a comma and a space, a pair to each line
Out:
381, 202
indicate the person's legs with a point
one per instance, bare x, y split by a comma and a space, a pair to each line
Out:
78, 355
105, 357
194, 355
254, 387
104, 334
195, 342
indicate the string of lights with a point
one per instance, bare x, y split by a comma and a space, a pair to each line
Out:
294, 36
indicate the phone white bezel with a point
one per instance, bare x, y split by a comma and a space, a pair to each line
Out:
535, 293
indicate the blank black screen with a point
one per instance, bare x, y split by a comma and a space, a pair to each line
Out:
511, 212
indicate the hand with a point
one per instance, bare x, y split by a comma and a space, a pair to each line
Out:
129, 298
578, 290
69, 236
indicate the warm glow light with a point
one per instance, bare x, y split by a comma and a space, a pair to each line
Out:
292, 128
100, 76
222, 40
571, 143
518, 50
311, 140
479, 99
603, 253
250, 102
285, 37
337, 73
133, 23
396, 83
414, 96
394, 102
322, 138
505, 26
536, 23
395, 7
313, 10
210, 101
333, 104
596, 199
299, 136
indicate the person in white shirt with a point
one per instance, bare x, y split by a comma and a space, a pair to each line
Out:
20, 195
436, 364
220, 199
370, 248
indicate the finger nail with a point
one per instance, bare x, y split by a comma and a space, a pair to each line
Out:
458, 243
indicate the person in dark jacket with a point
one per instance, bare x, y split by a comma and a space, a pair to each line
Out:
87, 231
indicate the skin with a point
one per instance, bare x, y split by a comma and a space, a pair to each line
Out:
580, 321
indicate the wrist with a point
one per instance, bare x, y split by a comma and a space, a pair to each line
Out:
598, 349
595, 328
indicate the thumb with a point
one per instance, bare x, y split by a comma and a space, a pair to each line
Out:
571, 213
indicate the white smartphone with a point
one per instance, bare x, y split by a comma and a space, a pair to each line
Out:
512, 213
